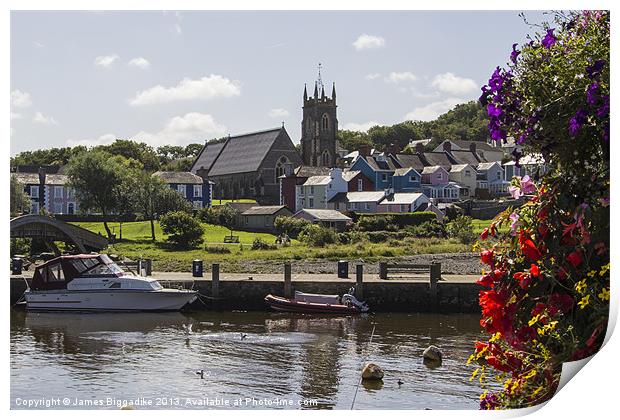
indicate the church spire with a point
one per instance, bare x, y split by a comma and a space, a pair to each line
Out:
316, 91
322, 92
305, 93
334, 92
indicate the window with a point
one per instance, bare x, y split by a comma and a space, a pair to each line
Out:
70, 208
311, 190
182, 190
360, 185
115, 285
468, 173
281, 167
325, 122
197, 190
34, 191
367, 206
57, 191
58, 208
412, 178
439, 175
384, 177
311, 203
70, 192
499, 175
197, 204
326, 158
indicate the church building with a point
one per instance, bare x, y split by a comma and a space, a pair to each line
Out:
319, 126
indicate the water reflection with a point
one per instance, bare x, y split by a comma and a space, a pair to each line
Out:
244, 355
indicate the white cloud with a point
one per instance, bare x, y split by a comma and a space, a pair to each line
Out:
20, 99
101, 140
401, 77
140, 62
454, 85
278, 113
372, 76
178, 130
16, 116
205, 88
42, 119
359, 126
433, 110
106, 60
367, 42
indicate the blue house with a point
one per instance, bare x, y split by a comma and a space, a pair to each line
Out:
406, 180
379, 169
192, 187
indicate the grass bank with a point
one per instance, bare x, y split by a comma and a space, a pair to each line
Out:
137, 244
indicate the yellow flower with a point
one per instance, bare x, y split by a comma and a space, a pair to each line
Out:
495, 337
584, 301
580, 286
592, 273
473, 375
534, 320
604, 295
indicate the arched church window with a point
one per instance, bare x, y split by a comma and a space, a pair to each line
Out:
281, 167
325, 122
326, 158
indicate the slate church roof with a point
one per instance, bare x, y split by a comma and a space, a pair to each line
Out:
238, 154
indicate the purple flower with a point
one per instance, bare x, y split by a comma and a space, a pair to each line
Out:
493, 111
576, 122
514, 54
603, 111
514, 217
527, 186
595, 69
496, 81
489, 402
549, 39
498, 134
593, 93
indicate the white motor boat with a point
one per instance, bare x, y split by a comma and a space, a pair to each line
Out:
95, 283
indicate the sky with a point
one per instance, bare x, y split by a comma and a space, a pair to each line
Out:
185, 77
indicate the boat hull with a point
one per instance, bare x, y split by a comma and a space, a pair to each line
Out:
107, 300
289, 305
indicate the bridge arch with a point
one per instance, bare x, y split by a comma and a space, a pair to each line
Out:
50, 229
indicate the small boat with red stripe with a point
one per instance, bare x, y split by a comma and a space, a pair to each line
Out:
310, 303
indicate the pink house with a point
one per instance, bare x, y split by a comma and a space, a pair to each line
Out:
435, 175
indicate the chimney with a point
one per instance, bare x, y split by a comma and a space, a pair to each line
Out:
393, 149
472, 147
364, 150
419, 148
447, 146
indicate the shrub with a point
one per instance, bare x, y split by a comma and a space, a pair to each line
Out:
259, 243
291, 226
183, 230
368, 223
462, 229
428, 229
352, 237
317, 235
217, 249
221, 215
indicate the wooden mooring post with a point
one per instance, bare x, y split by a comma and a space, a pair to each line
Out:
359, 278
215, 280
288, 287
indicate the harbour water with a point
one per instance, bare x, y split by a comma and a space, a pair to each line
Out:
251, 360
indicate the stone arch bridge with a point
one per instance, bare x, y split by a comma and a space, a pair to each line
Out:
50, 229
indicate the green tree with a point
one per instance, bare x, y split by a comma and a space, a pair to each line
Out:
147, 191
183, 229
169, 200
101, 183
20, 202
137, 151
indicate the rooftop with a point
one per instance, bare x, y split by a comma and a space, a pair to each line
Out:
263, 210
170, 177
325, 215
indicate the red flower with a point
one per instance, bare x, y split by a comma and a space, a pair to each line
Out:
486, 280
487, 257
530, 250
534, 270
523, 278
539, 308
560, 302
480, 346
575, 258
485, 234
497, 364
543, 213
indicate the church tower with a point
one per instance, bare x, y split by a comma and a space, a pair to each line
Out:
319, 145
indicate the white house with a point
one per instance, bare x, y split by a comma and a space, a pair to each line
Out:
402, 202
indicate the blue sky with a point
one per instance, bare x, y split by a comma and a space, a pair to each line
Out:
183, 77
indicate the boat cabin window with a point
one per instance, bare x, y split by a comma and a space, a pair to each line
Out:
115, 285
104, 269
156, 285
52, 273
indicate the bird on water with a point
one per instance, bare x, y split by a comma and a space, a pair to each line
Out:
201, 372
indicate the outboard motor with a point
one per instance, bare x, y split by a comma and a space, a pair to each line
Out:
350, 300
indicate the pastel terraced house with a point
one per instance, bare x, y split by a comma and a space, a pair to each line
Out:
490, 179
464, 175
318, 190
436, 184
407, 180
